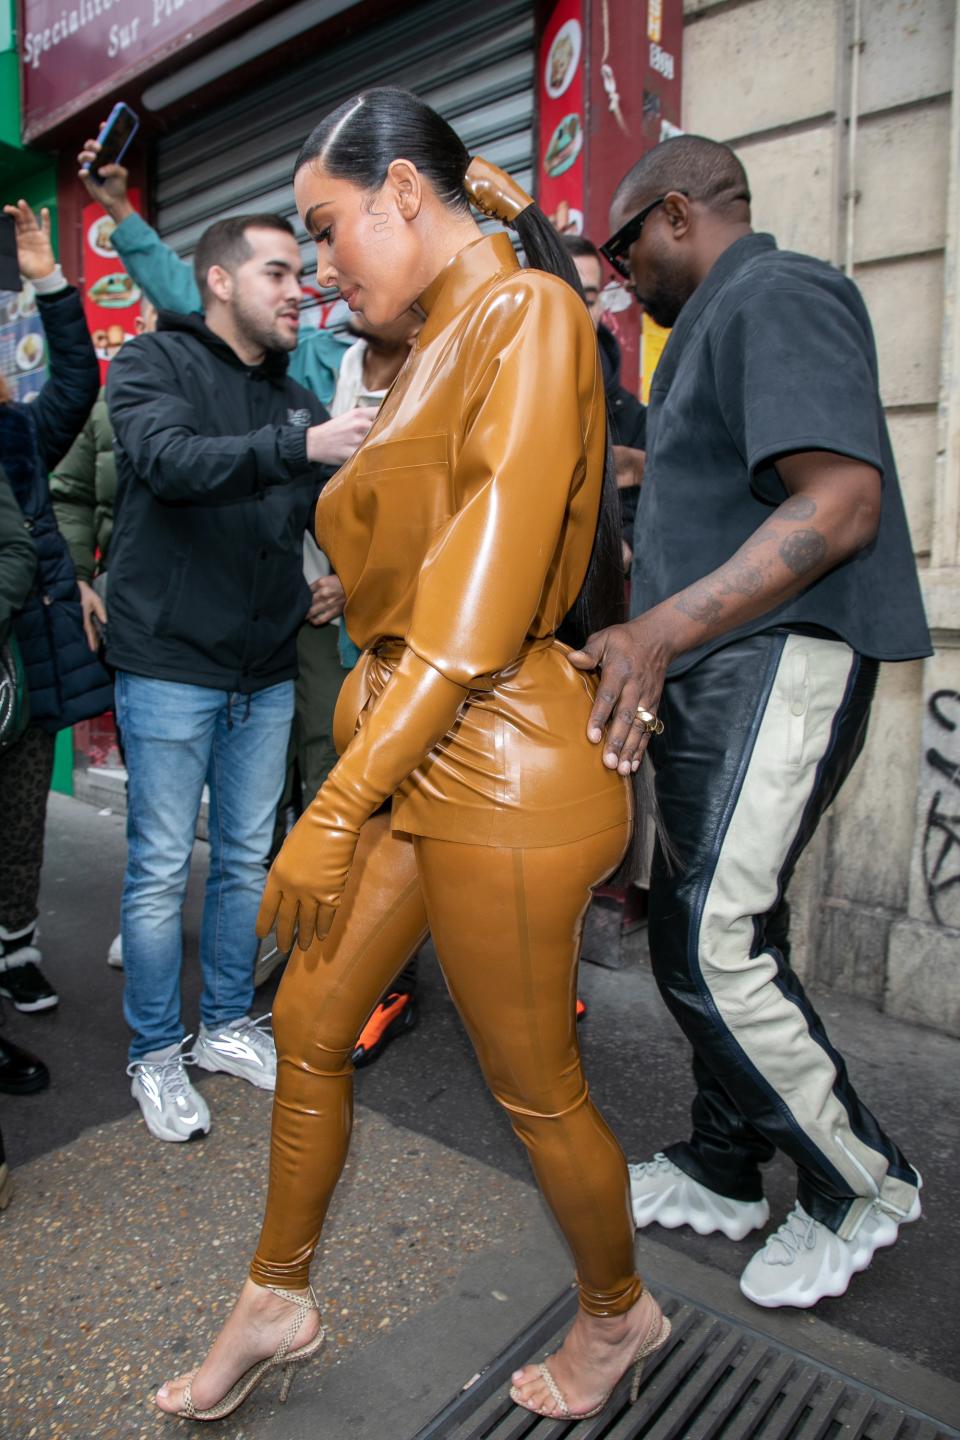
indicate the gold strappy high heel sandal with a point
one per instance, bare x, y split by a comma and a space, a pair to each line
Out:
655, 1338
282, 1358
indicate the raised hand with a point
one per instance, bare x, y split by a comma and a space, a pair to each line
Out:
34, 245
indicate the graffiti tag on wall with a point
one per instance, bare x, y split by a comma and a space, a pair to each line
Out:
941, 837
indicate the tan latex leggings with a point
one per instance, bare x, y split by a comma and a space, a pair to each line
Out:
506, 926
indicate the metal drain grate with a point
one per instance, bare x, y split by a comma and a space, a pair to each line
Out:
714, 1380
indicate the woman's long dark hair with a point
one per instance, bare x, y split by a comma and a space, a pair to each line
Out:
358, 142
600, 602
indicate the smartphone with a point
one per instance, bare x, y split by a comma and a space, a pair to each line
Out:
115, 136
9, 265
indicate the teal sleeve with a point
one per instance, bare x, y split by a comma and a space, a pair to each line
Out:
349, 653
315, 364
161, 274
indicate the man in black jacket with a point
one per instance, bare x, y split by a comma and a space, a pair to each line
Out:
219, 458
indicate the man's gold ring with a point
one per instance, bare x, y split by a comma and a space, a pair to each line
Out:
650, 722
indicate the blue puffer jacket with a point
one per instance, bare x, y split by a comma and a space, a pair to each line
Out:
66, 681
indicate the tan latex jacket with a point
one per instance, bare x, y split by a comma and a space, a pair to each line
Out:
461, 530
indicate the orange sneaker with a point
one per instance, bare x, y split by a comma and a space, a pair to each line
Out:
394, 1015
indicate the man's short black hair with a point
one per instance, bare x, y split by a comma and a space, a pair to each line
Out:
580, 248
703, 169
225, 243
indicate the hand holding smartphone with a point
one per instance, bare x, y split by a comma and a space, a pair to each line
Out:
114, 138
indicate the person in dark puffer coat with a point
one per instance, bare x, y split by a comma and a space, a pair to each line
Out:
65, 680
20, 1072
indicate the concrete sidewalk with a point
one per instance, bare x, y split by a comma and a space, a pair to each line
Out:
120, 1259
120, 1254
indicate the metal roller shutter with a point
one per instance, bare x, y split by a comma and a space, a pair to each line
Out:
472, 64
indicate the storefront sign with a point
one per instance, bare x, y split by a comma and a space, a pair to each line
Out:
634, 104
111, 299
74, 52
561, 65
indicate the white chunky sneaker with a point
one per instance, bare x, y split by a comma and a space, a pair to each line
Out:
803, 1261
241, 1048
115, 953
663, 1194
171, 1108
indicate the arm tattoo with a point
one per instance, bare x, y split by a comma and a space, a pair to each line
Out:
704, 601
701, 604
798, 507
803, 551
742, 579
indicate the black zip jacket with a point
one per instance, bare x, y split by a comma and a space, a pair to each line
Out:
214, 491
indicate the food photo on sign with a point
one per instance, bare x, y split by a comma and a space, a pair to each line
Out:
561, 112
563, 58
111, 298
566, 142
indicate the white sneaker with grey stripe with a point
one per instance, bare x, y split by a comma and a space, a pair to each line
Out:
172, 1109
244, 1047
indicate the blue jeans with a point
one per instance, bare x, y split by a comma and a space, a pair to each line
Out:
177, 738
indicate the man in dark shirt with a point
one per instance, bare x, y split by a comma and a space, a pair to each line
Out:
772, 571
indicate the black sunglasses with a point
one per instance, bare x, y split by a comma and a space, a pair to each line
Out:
616, 248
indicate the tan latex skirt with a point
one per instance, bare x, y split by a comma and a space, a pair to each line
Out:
516, 769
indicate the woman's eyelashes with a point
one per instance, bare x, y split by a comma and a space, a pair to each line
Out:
323, 237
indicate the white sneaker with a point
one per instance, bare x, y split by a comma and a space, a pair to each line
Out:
115, 953
803, 1261
663, 1194
240, 1048
171, 1108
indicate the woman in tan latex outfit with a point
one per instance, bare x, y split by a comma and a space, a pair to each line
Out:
462, 530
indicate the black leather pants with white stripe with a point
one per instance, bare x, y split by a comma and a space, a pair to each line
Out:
759, 737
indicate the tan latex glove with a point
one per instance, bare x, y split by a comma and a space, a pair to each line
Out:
416, 709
